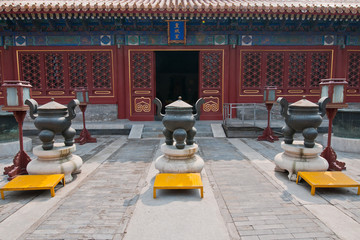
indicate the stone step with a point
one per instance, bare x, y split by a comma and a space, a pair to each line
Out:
151, 131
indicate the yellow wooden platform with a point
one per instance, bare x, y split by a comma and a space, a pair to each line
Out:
33, 182
327, 179
178, 181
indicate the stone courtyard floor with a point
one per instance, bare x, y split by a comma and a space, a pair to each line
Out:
244, 198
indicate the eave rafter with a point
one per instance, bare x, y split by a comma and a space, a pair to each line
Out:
273, 15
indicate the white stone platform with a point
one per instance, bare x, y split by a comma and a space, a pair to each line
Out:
179, 160
55, 161
299, 158
343, 144
12, 148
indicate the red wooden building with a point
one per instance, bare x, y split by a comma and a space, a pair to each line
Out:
124, 53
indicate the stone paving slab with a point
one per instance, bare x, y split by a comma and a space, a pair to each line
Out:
35, 205
176, 214
256, 206
101, 206
247, 199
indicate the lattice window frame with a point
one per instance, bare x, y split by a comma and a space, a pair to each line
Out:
78, 73
320, 68
274, 74
353, 69
297, 69
101, 70
54, 71
251, 72
63, 79
1, 68
31, 69
255, 75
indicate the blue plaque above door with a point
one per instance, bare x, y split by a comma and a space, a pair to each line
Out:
177, 31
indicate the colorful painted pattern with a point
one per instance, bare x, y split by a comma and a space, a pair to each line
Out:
192, 40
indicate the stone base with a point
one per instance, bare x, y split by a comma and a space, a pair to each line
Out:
343, 144
58, 160
179, 160
12, 148
299, 158
191, 165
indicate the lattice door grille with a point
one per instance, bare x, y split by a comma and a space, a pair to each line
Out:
211, 69
211, 77
142, 83
141, 69
353, 70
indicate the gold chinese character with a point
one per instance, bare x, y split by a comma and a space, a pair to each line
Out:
177, 30
176, 25
176, 36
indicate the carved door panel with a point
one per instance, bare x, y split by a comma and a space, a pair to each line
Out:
211, 78
142, 75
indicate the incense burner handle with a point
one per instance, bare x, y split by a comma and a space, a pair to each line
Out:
33, 107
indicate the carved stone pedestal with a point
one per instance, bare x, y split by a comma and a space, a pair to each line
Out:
179, 160
299, 158
55, 161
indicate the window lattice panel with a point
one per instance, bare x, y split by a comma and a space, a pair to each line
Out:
319, 68
101, 69
252, 70
54, 71
1, 79
141, 69
274, 69
211, 69
297, 70
31, 69
354, 69
77, 70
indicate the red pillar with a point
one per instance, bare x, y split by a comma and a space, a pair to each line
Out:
120, 82
340, 62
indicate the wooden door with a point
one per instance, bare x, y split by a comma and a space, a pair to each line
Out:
211, 77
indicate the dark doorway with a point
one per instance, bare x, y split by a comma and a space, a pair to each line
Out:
177, 74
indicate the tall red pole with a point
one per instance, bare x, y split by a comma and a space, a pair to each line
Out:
268, 134
329, 153
21, 159
85, 136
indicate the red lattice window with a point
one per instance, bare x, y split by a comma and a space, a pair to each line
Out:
101, 68
211, 69
54, 71
1, 79
353, 70
274, 69
287, 70
319, 67
141, 69
78, 70
297, 70
252, 70
66, 70
30, 65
